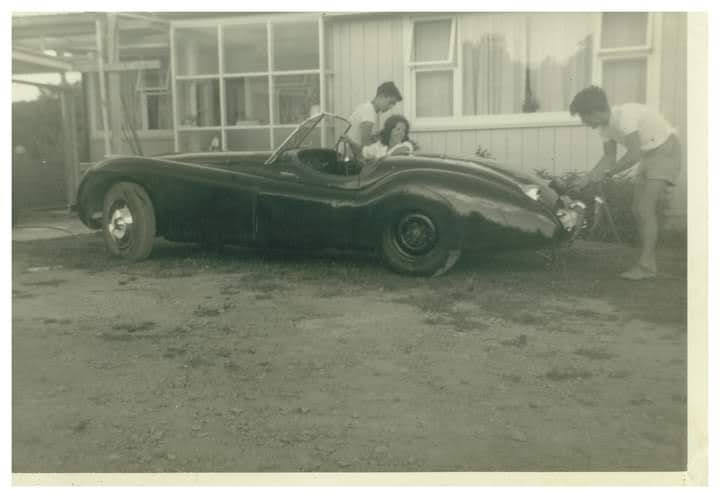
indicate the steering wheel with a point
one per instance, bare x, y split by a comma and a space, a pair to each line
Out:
343, 150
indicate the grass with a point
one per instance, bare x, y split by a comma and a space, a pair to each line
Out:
501, 285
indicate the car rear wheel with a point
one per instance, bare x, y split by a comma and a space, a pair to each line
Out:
128, 221
419, 242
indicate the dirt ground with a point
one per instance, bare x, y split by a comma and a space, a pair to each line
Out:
244, 361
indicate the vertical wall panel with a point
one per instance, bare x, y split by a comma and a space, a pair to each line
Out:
578, 150
673, 105
546, 150
498, 144
515, 148
452, 144
530, 149
372, 56
468, 143
563, 144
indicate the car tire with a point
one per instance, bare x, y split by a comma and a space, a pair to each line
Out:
128, 221
420, 241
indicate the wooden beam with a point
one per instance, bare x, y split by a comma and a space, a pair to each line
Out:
101, 84
52, 64
114, 88
57, 88
146, 17
86, 67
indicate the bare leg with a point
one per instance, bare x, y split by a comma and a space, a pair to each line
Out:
647, 196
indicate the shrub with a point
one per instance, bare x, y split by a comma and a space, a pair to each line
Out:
617, 193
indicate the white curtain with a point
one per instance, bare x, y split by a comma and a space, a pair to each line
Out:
514, 63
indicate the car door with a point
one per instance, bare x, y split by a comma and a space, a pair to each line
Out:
297, 207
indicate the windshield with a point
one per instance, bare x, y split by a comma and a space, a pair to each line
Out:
302, 133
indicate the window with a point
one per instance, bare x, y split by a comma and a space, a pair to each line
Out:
431, 57
143, 110
260, 79
506, 63
624, 56
624, 29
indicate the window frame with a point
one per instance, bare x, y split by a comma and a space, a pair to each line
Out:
448, 61
270, 22
650, 52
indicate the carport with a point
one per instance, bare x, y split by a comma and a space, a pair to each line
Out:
84, 43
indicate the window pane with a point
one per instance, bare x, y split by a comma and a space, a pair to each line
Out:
159, 112
248, 140
199, 102
130, 99
312, 140
625, 80
200, 141
245, 48
624, 29
514, 63
246, 101
295, 46
296, 98
560, 60
196, 51
431, 41
434, 93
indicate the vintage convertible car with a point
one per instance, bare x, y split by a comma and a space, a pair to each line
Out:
419, 211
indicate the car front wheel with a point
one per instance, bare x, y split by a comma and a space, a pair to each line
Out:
416, 242
128, 221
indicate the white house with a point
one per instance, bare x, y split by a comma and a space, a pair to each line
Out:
240, 81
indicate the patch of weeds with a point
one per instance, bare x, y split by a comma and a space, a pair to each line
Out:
81, 426
517, 342
514, 378
262, 297
18, 294
173, 352
135, 327
232, 366
128, 280
594, 353
204, 311
619, 374
568, 373
48, 283
431, 303
198, 361
581, 313
63, 321
525, 318
641, 400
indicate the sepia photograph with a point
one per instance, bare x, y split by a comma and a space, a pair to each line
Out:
338, 243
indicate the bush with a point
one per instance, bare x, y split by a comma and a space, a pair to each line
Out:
617, 193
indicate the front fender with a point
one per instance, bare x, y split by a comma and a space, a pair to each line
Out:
420, 198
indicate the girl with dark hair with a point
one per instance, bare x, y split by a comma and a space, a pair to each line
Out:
393, 139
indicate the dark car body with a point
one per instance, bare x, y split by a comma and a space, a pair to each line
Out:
302, 197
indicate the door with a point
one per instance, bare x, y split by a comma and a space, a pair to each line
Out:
297, 207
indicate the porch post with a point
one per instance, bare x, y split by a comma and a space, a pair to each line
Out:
101, 84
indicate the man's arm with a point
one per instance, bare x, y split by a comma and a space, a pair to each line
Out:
606, 162
632, 156
609, 165
366, 128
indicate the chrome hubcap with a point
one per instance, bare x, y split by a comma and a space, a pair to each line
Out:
120, 223
416, 234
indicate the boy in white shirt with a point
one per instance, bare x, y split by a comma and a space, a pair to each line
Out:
364, 120
649, 140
